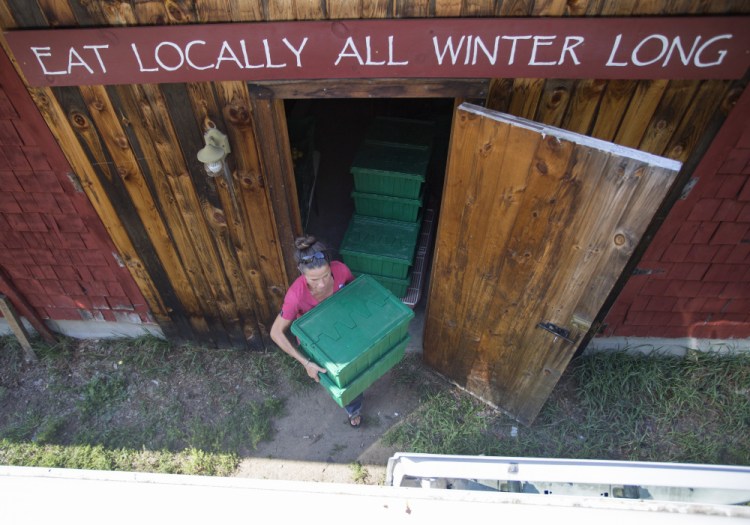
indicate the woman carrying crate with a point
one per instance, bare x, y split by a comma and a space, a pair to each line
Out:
320, 279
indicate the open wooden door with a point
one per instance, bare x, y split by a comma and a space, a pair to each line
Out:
536, 226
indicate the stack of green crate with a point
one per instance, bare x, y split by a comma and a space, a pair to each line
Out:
389, 171
357, 335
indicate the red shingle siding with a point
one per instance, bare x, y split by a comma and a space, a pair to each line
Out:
53, 246
705, 244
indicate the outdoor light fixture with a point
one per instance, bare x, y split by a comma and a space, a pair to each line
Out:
214, 153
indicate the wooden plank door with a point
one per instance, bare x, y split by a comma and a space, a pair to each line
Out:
536, 225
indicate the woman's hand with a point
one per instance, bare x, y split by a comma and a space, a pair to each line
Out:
313, 370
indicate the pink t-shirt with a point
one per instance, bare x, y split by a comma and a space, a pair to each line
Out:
298, 299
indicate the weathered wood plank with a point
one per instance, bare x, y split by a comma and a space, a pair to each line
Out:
526, 95
260, 220
215, 246
344, 9
376, 9
21, 303
674, 103
549, 8
554, 102
16, 326
411, 8
386, 88
500, 94
153, 191
227, 215
612, 108
521, 286
477, 8
695, 120
58, 14
506, 179
514, 7
281, 10
448, 8
151, 12
446, 275
276, 163
583, 106
310, 9
26, 14
638, 114
187, 226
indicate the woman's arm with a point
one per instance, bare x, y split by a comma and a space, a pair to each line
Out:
278, 334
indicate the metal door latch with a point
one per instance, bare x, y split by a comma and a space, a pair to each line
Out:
557, 331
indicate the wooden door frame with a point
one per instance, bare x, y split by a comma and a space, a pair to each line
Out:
274, 150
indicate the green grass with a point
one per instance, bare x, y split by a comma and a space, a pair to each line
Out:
190, 461
137, 404
142, 404
626, 407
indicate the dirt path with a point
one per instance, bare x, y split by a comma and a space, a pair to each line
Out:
314, 442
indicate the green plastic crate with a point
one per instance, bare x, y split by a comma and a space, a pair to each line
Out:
387, 207
401, 131
380, 246
386, 169
344, 396
397, 287
348, 332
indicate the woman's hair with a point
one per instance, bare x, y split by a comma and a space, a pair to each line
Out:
310, 253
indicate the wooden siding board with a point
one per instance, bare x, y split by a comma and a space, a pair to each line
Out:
583, 105
58, 13
26, 14
227, 215
694, 121
269, 270
526, 95
675, 101
187, 225
554, 102
514, 7
638, 114
341, 9
549, 8
153, 193
613, 106
230, 292
448, 8
275, 158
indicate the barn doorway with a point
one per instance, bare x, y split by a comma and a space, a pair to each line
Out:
325, 136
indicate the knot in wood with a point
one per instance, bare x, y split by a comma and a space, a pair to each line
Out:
661, 125
174, 12
676, 151
486, 148
541, 167
620, 239
238, 114
122, 141
557, 96
219, 217
98, 104
553, 143
123, 172
79, 120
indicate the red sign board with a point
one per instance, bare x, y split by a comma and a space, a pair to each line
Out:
605, 48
